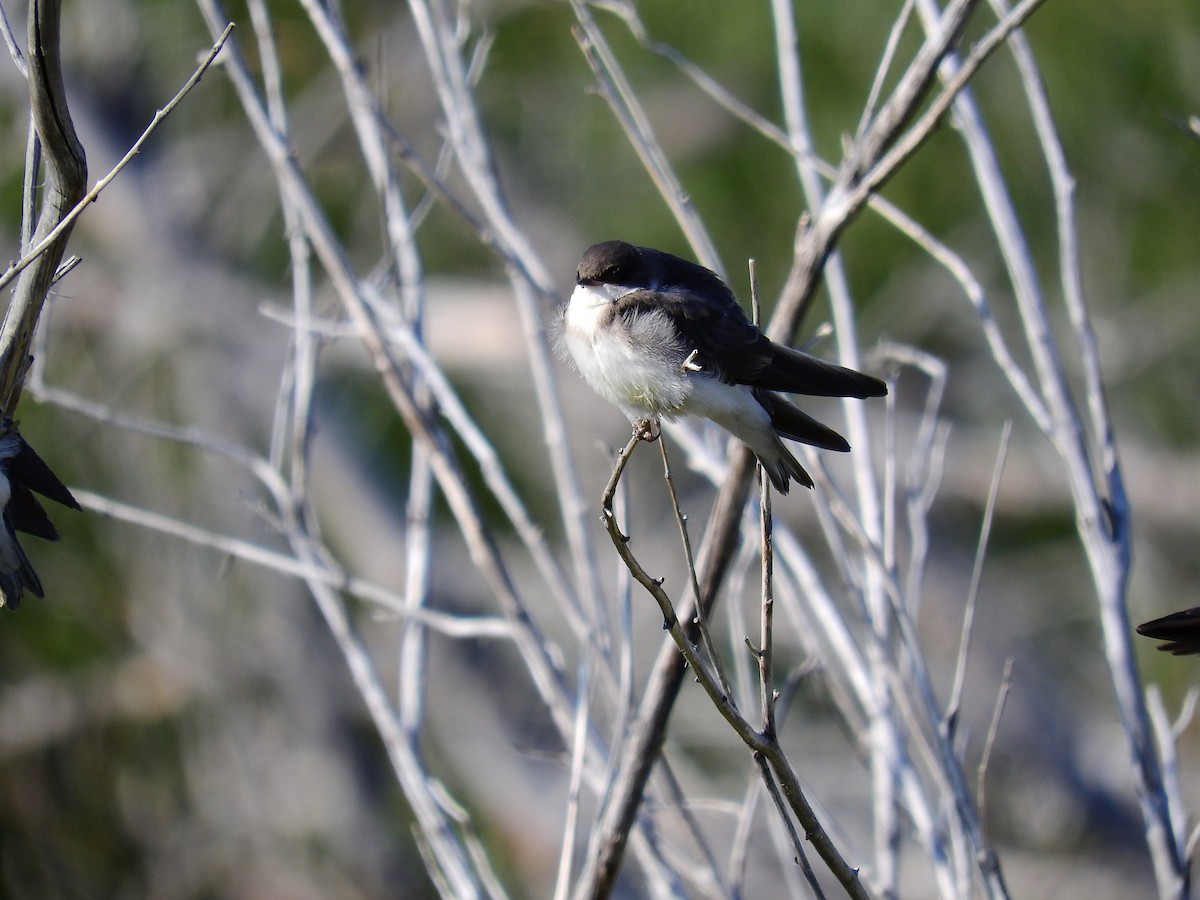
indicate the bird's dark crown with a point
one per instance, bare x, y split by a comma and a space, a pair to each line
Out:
612, 262
619, 262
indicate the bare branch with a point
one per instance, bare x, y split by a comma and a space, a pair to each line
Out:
66, 179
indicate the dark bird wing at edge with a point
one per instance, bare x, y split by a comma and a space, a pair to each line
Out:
14, 583
26, 514
733, 348
30, 470
1181, 629
27, 472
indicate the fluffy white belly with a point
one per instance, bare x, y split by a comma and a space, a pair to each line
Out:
634, 362
640, 384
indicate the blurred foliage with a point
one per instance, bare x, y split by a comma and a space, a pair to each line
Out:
112, 798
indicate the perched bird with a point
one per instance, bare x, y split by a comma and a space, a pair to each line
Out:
1181, 629
659, 336
22, 472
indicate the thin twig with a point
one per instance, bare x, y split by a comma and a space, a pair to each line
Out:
989, 743
454, 626
64, 225
740, 845
757, 741
698, 624
781, 808
627, 108
953, 706
766, 645
10, 41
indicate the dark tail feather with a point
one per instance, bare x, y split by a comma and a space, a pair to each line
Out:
1182, 629
795, 372
784, 469
791, 423
14, 582
29, 469
27, 515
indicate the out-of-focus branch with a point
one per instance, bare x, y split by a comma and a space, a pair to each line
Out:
65, 185
531, 283
872, 159
312, 571
456, 860
623, 101
64, 201
1087, 449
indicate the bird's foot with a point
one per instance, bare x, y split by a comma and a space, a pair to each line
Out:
646, 430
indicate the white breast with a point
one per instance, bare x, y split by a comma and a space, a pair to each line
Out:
637, 364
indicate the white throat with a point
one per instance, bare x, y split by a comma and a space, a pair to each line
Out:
589, 303
589, 295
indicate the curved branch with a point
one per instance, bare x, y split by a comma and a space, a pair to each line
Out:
763, 744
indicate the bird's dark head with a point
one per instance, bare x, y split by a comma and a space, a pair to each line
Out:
612, 262
624, 264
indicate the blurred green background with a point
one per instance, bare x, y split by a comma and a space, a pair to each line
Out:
173, 724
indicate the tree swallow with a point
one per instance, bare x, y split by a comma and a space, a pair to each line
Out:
22, 472
659, 336
1182, 629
